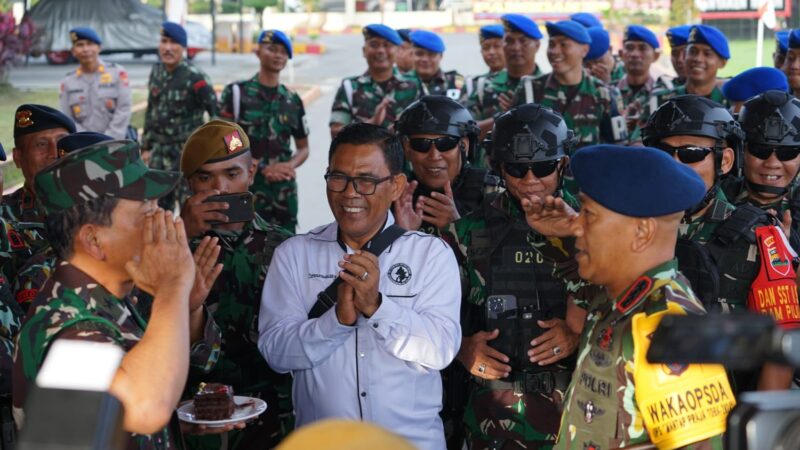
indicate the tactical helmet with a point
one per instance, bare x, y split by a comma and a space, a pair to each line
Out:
692, 115
529, 133
771, 118
437, 114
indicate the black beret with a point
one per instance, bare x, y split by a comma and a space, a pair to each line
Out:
34, 118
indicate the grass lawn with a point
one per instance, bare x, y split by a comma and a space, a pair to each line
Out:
743, 56
12, 98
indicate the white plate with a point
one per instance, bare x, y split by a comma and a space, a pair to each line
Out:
256, 407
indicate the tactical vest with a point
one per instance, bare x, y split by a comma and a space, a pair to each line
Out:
721, 270
512, 267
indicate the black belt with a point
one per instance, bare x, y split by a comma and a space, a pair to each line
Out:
531, 382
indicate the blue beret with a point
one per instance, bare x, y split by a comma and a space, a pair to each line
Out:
87, 33
428, 40
636, 181
2, 153
405, 34
276, 37
570, 29
586, 19
678, 35
711, 36
31, 118
640, 33
794, 39
383, 32
782, 39
522, 24
79, 140
754, 81
175, 32
600, 43
492, 32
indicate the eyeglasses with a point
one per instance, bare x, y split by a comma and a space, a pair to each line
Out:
765, 151
443, 144
540, 169
687, 154
337, 182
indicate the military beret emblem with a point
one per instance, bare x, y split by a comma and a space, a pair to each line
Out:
233, 142
24, 118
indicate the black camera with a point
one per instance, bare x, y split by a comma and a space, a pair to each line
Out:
760, 420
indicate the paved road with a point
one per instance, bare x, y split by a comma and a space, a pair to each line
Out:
343, 58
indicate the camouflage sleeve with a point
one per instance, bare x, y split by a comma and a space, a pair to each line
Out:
10, 319
300, 131
206, 96
472, 102
226, 102
561, 252
613, 128
341, 112
204, 353
147, 131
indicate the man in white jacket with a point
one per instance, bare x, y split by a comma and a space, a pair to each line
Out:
375, 355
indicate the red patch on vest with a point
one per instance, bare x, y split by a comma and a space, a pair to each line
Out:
774, 290
15, 239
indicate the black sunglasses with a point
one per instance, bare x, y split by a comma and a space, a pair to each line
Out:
687, 154
765, 151
540, 169
443, 144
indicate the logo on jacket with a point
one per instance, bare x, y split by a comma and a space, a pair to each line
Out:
590, 410
399, 273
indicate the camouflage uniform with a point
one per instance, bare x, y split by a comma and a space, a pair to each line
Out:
270, 117
358, 97
658, 97
444, 83
591, 109
618, 71
20, 206
634, 99
234, 302
498, 417
176, 102
99, 101
483, 102
603, 409
72, 305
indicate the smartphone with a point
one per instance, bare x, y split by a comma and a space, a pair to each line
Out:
240, 207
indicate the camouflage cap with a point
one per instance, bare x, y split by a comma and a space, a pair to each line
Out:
212, 142
112, 168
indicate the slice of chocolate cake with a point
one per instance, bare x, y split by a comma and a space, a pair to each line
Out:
213, 401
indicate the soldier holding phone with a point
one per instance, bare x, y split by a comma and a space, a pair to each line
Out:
219, 169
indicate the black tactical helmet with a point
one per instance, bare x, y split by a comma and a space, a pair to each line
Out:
437, 114
529, 133
772, 118
694, 116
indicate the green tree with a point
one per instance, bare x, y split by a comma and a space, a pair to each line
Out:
259, 6
682, 12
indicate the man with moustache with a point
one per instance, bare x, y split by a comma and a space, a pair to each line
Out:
372, 349
589, 107
494, 94
706, 53
380, 94
179, 94
96, 95
272, 115
625, 238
